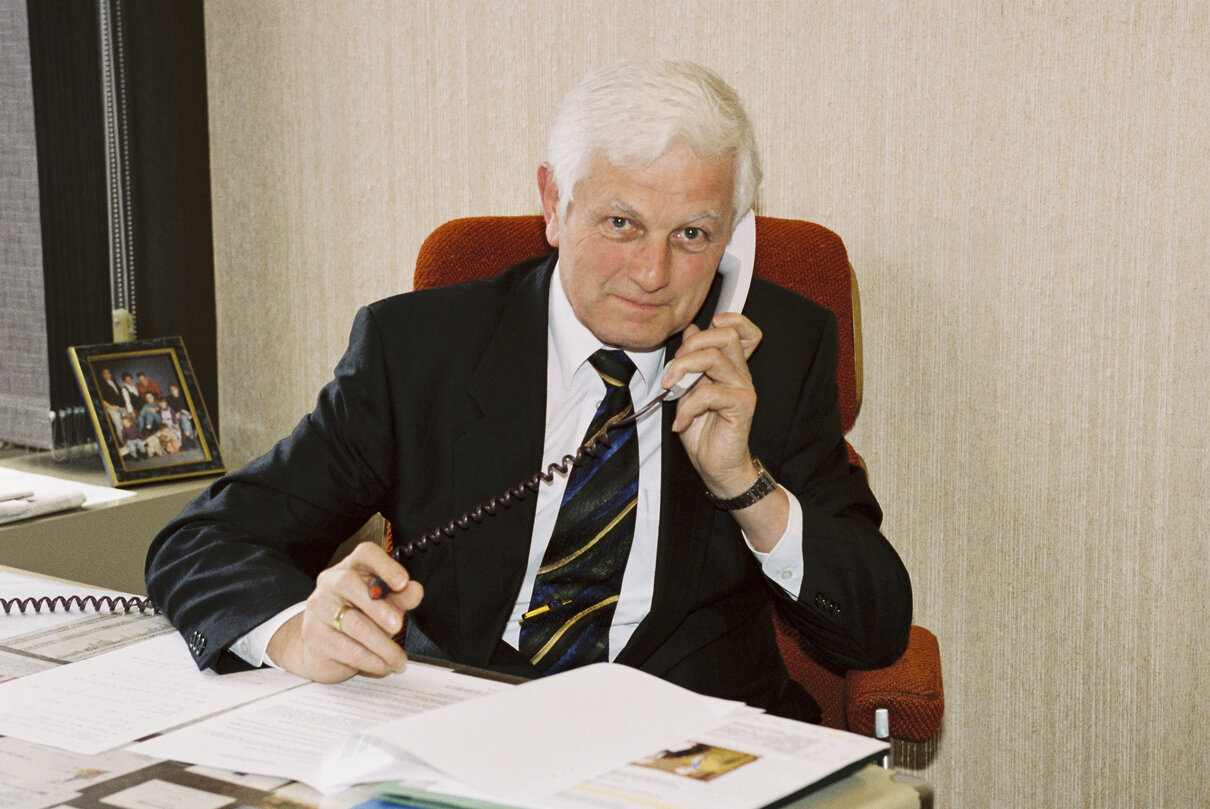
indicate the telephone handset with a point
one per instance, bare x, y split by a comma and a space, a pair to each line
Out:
736, 272
735, 268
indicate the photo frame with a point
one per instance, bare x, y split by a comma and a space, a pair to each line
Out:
147, 409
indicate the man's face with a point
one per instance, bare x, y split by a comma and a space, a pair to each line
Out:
106, 375
638, 248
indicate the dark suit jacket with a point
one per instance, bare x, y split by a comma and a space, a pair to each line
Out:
111, 393
438, 404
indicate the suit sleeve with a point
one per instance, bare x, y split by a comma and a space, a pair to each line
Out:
254, 542
855, 603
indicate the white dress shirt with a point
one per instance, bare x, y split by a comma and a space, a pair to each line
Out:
574, 391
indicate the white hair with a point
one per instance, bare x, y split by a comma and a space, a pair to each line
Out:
632, 113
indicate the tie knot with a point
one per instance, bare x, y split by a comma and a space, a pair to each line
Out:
614, 367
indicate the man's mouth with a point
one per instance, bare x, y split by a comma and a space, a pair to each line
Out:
638, 304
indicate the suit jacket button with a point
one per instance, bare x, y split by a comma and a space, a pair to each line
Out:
197, 643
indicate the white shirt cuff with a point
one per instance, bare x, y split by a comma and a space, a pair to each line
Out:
784, 564
253, 647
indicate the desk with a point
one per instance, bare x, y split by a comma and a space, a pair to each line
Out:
119, 778
104, 546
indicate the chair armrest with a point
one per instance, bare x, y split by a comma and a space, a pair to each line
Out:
824, 682
910, 689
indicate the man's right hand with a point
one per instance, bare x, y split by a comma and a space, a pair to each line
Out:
310, 644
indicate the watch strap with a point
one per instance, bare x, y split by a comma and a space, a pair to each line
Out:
764, 485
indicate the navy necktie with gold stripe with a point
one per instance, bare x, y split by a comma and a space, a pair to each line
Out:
576, 590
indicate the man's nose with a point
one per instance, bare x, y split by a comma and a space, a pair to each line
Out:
650, 265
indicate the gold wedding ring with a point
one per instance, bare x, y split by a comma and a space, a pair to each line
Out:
339, 617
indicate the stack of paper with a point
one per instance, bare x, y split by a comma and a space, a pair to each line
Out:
600, 736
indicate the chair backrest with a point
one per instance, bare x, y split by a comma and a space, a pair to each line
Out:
802, 256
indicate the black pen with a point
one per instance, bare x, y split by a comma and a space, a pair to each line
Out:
379, 589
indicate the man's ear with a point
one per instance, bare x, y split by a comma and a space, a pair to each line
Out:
550, 202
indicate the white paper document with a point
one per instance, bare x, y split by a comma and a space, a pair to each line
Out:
88, 635
287, 734
541, 737
115, 698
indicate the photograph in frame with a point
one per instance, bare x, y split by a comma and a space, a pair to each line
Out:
147, 409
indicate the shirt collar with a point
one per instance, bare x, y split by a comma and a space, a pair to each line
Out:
571, 343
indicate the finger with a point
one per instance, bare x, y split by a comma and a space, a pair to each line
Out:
713, 363
735, 404
332, 656
368, 625
408, 598
294, 648
335, 631
352, 582
371, 561
390, 611
361, 643
749, 333
734, 337
735, 334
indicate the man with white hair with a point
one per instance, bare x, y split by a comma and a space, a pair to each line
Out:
667, 552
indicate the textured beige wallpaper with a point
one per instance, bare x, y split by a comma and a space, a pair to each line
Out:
1023, 190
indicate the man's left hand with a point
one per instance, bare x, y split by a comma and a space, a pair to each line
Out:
715, 416
714, 419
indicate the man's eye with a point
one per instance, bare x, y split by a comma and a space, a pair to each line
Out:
618, 222
694, 238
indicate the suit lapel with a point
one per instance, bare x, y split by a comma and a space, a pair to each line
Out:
493, 456
686, 518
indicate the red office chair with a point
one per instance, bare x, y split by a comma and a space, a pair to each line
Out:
812, 261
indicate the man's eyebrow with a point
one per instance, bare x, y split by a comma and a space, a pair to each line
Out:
621, 207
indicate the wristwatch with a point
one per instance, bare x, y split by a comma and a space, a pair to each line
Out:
764, 485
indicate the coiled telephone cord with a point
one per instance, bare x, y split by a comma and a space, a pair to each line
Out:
81, 603
522, 489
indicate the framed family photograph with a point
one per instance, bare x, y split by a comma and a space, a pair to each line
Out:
147, 409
